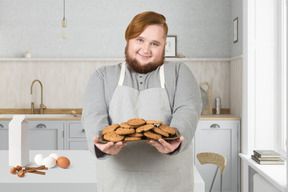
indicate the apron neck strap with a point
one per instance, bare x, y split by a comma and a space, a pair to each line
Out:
162, 77
122, 75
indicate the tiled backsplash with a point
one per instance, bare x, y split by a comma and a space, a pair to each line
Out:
64, 80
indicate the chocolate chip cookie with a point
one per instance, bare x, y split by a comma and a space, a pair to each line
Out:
144, 128
128, 138
126, 125
160, 131
136, 135
136, 122
113, 136
110, 128
123, 131
168, 129
154, 122
151, 135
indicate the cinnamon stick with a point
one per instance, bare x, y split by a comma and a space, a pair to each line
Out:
38, 172
30, 169
40, 167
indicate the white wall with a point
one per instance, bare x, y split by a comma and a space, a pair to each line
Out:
64, 80
237, 12
96, 27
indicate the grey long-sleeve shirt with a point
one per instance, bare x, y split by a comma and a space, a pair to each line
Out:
182, 89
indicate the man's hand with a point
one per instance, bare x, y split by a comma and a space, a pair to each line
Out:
110, 147
166, 146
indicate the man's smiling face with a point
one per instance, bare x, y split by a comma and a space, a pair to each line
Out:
147, 51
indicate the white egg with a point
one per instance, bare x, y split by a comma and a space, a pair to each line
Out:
54, 155
38, 159
49, 162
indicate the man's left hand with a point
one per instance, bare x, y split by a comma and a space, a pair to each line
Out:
166, 146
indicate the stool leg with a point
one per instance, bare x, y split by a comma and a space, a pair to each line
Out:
213, 179
221, 182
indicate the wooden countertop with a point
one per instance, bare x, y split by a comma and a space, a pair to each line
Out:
69, 118
72, 118
4, 115
49, 114
219, 117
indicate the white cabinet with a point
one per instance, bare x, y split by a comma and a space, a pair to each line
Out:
4, 135
75, 136
44, 135
219, 136
50, 135
47, 135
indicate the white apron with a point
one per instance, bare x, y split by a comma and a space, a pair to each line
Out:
139, 167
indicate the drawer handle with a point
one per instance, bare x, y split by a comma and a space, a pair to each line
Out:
83, 130
215, 126
1, 126
41, 126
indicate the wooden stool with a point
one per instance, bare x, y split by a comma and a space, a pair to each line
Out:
216, 159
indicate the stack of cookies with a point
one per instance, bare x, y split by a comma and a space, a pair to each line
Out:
137, 129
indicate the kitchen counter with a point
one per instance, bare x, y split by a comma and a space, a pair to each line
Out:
42, 116
219, 117
78, 117
80, 176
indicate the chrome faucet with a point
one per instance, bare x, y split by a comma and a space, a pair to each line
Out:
42, 106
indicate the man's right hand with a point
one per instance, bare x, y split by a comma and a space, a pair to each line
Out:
110, 147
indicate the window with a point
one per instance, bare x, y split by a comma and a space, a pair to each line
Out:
283, 77
266, 69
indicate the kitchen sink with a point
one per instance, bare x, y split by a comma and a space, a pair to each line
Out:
38, 116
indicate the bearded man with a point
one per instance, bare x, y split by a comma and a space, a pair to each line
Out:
146, 87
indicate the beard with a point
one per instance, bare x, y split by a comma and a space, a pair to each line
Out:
134, 64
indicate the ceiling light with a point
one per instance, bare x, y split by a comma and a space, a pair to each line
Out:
64, 23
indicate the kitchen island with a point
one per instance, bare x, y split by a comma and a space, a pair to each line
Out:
80, 176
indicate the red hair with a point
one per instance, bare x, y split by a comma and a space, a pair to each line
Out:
142, 20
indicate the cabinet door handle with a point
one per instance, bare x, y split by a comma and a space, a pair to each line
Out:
41, 126
83, 130
1, 126
215, 126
